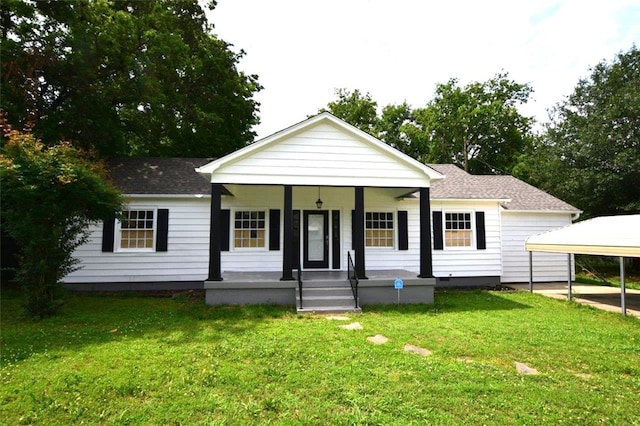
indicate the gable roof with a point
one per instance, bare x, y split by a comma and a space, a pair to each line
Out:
144, 175
516, 194
321, 150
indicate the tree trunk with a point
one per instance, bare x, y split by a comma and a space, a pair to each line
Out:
465, 153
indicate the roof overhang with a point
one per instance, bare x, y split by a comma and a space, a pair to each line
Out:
575, 213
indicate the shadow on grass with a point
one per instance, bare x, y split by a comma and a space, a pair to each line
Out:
89, 320
94, 320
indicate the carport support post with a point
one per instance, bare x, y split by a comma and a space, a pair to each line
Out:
530, 272
623, 296
569, 276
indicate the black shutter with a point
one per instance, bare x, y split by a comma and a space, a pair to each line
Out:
481, 240
437, 231
225, 218
274, 229
335, 238
162, 230
108, 231
403, 230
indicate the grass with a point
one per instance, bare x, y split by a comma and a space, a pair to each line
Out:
140, 360
602, 270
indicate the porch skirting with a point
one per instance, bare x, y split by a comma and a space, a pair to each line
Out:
266, 288
382, 291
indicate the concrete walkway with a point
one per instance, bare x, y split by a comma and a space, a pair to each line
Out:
601, 297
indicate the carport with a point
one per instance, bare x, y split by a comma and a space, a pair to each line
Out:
617, 236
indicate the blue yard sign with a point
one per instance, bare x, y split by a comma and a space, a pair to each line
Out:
398, 284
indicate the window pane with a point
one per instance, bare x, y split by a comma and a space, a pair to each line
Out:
379, 229
249, 229
458, 229
136, 229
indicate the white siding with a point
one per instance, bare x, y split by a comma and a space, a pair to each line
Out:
516, 228
341, 199
322, 154
469, 261
253, 198
187, 258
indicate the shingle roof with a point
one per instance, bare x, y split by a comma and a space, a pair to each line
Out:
144, 175
459, 184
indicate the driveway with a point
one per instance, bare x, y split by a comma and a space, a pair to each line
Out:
601, 297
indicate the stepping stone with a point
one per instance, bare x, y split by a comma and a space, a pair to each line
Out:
352, 326
525, 369
466, 359
337, 318
378, 339
583, 375
417, 350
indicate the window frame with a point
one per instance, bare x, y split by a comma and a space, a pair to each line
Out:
394, 229
232, 228
118, 232
472, 230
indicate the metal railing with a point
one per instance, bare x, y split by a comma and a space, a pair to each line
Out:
353, 277
300, 284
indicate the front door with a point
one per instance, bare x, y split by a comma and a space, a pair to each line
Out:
316, 239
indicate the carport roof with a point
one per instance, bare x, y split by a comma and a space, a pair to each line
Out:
606, 236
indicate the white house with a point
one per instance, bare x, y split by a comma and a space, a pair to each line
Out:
293, 215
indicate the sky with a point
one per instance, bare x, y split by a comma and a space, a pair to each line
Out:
302, 51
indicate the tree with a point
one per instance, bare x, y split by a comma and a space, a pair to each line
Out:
356, 109
50, 195
478, 126
395, 125
592, 142
125, 77
398, 127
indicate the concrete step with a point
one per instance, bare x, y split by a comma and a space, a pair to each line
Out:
325, 291
326, 301
325, 296
325, 284
329, 310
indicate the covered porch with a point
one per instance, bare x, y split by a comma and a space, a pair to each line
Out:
274, 223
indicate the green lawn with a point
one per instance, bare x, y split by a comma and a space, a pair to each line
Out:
605, 271
142, 360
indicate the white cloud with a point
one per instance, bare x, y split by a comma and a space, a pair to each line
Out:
400, 50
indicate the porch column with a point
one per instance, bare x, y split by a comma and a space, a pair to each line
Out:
287, 249
214, 235
426, 257
358, 232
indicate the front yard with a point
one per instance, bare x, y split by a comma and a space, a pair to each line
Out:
145, 360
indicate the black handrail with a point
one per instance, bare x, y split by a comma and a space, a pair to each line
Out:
300, 284
353, 277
